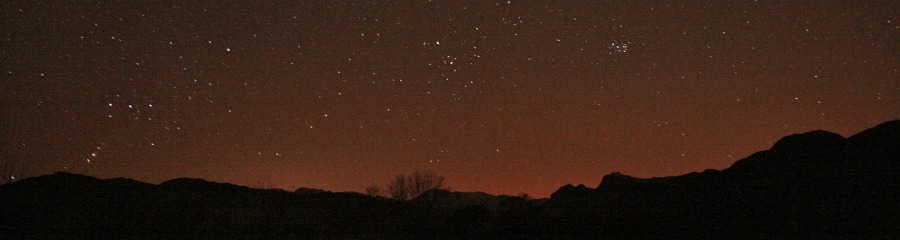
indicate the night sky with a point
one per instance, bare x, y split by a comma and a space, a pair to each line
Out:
504, 97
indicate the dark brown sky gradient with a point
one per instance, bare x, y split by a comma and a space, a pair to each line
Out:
502, 97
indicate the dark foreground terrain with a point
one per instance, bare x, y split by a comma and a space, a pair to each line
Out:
811, 185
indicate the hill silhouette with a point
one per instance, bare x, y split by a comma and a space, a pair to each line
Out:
811, 185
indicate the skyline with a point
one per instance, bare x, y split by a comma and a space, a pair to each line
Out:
504, 97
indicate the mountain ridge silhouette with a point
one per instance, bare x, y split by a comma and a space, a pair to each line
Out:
816, 184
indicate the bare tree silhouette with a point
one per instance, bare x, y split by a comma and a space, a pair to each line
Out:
420, 182
374, 191
263, 183
397, 188
405, 187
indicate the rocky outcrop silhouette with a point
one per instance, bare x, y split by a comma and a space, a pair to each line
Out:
812, 184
